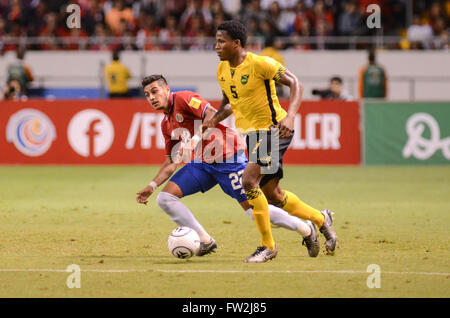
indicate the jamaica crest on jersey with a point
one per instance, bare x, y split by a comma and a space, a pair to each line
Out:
244, 79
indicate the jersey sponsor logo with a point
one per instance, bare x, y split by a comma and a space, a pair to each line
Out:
31, 132
420, 147
179, 118
244, 79
90, 133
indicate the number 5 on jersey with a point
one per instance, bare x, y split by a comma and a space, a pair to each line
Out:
233, 91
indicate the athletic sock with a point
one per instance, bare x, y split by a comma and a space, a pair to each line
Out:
285, 220
180, 214
260, 212
282, 218
294, 206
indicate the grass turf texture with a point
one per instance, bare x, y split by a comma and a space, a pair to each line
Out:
51, 217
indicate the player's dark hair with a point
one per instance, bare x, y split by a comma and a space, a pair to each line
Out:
116, 55
20, 53
235, 29
337, 79
152, 78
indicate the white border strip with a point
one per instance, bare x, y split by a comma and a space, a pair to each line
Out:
200, 271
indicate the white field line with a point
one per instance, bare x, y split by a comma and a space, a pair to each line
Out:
200, 271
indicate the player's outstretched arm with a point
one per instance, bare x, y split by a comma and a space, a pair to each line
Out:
223, 112
165, 172
286, 125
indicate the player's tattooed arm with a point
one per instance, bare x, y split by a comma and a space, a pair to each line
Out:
165, 172
223, 112
286, 125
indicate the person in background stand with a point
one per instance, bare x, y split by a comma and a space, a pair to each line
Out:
335, 91
117, 75
372, 79
272, 48
18, 71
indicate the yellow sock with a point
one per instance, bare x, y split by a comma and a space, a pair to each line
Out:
260, 212
293, 205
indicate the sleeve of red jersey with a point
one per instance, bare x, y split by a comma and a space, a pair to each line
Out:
196, 104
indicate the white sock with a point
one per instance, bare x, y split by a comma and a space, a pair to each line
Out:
285, 220
180, 214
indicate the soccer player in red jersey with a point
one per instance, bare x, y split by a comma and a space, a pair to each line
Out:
219, 158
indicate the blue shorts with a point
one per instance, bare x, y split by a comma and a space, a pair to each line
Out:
200, 176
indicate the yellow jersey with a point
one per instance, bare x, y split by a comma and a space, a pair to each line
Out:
116, 76
250, 88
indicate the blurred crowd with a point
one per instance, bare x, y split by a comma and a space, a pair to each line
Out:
184, 24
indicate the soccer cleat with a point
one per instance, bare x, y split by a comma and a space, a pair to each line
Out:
207, 248
311, 241
262, 254
327, 230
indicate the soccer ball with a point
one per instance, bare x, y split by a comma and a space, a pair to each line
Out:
184, 242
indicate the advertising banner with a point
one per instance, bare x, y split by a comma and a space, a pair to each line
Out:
407, 133
127, 131
326, 132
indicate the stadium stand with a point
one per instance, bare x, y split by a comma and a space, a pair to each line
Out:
190, 24
145, 29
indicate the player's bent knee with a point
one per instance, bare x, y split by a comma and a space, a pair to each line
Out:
277, 203
161, 200
275, 198
274, 202
164, 198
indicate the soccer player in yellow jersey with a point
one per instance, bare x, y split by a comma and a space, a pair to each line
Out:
248, 86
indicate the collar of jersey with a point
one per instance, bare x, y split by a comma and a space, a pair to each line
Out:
243, 62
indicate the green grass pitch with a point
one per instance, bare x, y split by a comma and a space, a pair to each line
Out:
52, 217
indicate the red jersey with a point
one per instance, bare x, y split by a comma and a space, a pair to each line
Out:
186, 112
